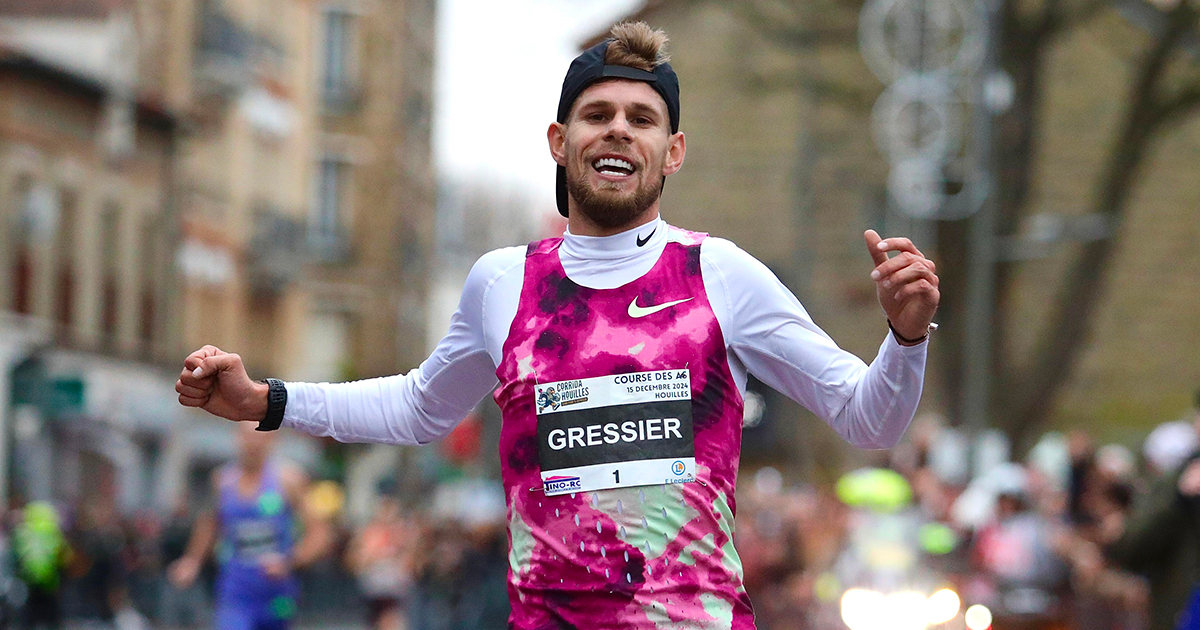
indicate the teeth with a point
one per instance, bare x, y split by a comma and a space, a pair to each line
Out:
603, 162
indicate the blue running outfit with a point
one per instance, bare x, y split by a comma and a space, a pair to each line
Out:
253, 528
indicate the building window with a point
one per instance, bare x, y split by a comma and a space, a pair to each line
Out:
149, 265
22, 264
109, 269
23, 282
65, 246
326, 229
339, 63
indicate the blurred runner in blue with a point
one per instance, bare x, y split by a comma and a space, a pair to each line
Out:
258, 502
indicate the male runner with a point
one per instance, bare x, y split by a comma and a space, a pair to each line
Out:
620, 481
258, 500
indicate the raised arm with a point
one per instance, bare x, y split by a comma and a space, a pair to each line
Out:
414, 408
770, 332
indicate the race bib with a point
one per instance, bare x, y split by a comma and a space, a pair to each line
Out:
616, 431
254, 537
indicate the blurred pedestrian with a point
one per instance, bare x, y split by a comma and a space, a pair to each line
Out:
258, 499
98, 570
1161, 540
41, 553
1019, 553
381, 555
179, 606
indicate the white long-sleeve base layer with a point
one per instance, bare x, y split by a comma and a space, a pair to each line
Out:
767, 333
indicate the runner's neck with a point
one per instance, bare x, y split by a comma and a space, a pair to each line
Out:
625, 244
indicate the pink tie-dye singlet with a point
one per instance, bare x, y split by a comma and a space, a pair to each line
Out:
653, 555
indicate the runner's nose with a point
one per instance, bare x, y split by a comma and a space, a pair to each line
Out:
618, 129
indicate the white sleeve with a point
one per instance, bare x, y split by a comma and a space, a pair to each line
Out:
777, 341
426, 403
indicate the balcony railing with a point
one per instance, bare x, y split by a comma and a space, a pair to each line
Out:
229, 54
224, 52
276, 251
340, 99
330, 246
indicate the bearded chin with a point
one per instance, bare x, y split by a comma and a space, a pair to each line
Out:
609, 208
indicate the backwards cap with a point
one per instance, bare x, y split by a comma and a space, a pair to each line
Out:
588, 68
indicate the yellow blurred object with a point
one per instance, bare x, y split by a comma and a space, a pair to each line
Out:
325, 499
827, 587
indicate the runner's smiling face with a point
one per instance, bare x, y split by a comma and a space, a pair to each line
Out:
616, 146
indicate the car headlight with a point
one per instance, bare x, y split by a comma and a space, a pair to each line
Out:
942, 606
861, 609
864, 609
978, 617
904, 611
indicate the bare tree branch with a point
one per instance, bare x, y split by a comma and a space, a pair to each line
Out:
1079, 16
791, 34
1070, 322
1177, 106
823, 88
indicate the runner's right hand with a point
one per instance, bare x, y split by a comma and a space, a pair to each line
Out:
183, 572
1189, 481
216, 381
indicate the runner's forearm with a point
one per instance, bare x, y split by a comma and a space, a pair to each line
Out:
203, 538
317, 539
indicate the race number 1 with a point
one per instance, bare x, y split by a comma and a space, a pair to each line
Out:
615, 431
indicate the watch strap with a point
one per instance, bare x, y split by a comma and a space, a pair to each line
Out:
276, 403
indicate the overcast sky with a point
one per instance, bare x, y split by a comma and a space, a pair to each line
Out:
492, 108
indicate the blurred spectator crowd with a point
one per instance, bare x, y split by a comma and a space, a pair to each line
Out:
1077, 535
434, 567
1073, 535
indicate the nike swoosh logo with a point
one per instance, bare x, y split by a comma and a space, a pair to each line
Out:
636, 311
642, 241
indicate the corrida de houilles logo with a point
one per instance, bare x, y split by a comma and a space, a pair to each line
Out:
548, 399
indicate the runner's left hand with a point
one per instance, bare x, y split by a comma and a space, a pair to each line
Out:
275, 565
906, 284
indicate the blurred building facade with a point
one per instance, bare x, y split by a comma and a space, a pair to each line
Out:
781, 160
254, 174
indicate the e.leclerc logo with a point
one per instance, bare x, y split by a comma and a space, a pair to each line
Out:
561, 484
677, 467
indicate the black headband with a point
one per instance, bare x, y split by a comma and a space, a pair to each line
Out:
589, 68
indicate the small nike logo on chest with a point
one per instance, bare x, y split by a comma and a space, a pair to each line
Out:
636, 311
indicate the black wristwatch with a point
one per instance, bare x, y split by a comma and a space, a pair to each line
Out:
276, 402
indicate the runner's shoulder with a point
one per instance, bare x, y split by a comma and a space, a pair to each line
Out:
728, 258
496, 263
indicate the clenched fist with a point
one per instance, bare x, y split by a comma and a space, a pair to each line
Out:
216, 381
